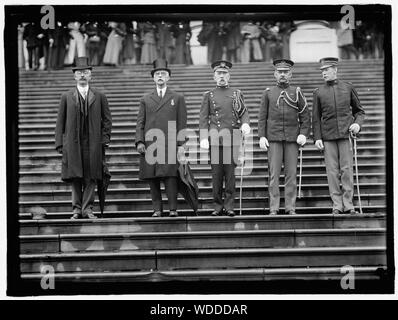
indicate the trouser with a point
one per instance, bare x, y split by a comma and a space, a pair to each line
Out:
83, 189
338, 160
83, 192
223, 164
171, 187
278, 153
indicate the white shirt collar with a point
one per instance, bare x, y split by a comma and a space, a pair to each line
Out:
83, 90
163, 91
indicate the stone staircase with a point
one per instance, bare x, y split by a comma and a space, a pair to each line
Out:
129, 245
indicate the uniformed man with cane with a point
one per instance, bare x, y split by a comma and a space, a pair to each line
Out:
283, 126
337, 113
223, 117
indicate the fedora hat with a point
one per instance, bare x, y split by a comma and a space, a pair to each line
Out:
81, 63
160, 64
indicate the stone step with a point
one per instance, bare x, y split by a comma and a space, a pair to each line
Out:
201, 223
307, 190
290, 238
250, 274
254, 164
204, 259
261, 210
369, 199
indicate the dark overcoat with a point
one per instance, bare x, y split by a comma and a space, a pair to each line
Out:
167, 116
67, 132
335, 107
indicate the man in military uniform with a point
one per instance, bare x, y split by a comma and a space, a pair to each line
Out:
162, 111
283, 126
223, 116
337, 113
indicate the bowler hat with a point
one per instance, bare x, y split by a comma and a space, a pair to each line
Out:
160, 64
81, 63
328, 62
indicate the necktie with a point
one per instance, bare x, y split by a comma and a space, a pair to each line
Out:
160, 94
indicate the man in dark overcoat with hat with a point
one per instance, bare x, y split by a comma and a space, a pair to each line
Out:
160, 138
82, 132
283, 126
337, 113
223, 119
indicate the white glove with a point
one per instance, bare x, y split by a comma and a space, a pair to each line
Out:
354, 128
204, 144
319, 144
245, 129
301, 139
264, 143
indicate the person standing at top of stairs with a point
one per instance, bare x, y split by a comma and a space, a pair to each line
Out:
223, 117
82, 133
161, 123
283, 126
337, 113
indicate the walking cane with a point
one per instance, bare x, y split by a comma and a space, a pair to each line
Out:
241, 174
300, 171
354, 137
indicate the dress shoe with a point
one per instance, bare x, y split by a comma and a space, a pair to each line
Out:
352, 211
157, 214
215, 213
336, 211
90, 215
273, 212
230, 213
292, 212
75, 216
173, 214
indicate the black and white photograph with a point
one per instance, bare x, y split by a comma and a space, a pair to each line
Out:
198, 149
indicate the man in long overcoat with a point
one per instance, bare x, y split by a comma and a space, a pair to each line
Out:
337, 113
283, 126
160, 138
82, 132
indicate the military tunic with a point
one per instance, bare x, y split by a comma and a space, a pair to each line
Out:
336, 107
283, 115
220, 124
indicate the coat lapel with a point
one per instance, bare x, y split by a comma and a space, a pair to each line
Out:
91, 97
165, 99
154, 96
75, 97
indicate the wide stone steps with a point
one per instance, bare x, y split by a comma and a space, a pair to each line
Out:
205, 259
290, 238
242, 274
202, 212
368, 201
201, 223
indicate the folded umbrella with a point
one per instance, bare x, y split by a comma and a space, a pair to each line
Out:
102, 186
187, 186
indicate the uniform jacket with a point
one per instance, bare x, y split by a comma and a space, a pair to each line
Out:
156, 113
335, 107
67, 132
281, 118
216, 113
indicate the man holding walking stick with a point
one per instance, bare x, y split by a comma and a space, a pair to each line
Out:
283, 126
337, 113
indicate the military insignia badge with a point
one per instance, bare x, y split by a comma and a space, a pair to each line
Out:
172, 102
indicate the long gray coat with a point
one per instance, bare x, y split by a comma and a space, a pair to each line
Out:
156, 114
67, 133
